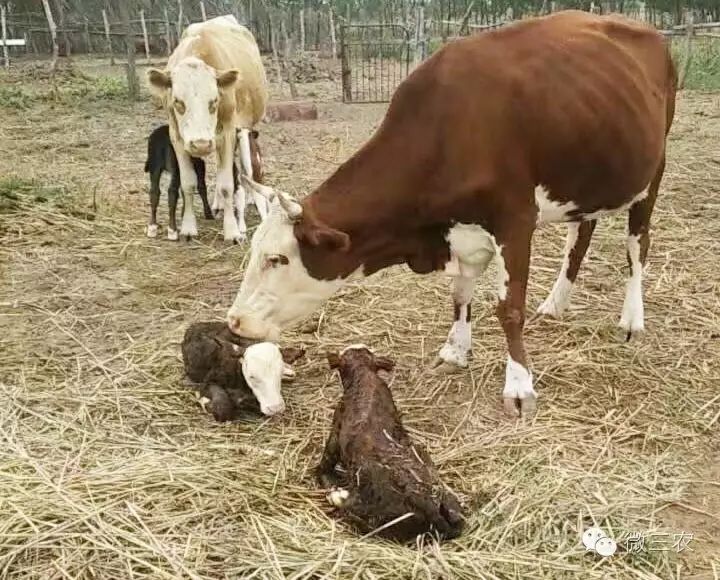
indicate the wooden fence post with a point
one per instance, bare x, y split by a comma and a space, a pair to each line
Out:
145, 36
6, 54
302, 29
168, 34
180, 19
202, 10
687, 60
53, 35
333, 41
88, 40
108, 38
287, 56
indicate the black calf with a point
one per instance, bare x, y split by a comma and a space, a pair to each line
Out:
161, 157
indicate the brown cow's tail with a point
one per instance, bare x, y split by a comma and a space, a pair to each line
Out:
672, 86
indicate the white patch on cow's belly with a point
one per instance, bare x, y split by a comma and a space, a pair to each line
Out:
624, 207
550, 211
471, 249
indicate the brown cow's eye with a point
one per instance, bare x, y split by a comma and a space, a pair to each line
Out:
179, 106
276, 260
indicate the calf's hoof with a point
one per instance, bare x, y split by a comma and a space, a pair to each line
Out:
338, 497
152, 230
172, 235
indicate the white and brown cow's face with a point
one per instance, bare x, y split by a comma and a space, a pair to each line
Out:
277, 290
192, 93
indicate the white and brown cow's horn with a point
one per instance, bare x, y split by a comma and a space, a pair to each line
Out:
287, 202
290, 205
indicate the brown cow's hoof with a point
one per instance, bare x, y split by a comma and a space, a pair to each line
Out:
520, 408
441, 366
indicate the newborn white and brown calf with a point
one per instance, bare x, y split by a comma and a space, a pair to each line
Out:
235, 374
386, 477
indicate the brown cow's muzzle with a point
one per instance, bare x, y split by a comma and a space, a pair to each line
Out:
252, 327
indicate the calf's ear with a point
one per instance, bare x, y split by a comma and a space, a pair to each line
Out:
333, 360
291, 354
384, 363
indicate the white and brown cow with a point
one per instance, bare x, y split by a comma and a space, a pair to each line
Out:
556, 119
214, 84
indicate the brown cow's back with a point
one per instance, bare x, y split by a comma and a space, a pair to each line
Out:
577, 103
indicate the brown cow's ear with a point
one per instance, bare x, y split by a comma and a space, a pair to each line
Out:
159, 80
384, 363
333, 360
228, 78
323, 236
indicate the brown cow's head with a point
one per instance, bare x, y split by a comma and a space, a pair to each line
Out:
192, 91
277, 289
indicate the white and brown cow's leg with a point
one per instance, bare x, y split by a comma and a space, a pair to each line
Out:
513, 264
189, 185
225, 187
638, 243
576, 245
459, 341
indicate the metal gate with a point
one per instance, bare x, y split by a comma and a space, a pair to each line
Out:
375, 59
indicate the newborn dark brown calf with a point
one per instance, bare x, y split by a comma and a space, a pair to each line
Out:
386, 477
235, 374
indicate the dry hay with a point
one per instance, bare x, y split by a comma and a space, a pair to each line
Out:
108, 469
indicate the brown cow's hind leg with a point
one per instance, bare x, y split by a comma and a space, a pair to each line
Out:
578, 240
638, 242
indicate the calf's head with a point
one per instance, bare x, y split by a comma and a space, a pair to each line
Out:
192, 93
278, 288
359, 355
263, 368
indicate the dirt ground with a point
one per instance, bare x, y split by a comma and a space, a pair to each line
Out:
109, 469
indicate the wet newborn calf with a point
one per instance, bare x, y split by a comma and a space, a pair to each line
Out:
235, 374
386, 478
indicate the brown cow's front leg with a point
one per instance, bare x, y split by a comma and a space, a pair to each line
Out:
513, 264
455, 351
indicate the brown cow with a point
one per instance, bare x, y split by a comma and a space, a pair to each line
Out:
556, 119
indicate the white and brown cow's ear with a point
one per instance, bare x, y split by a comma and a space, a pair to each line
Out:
227, 78
159, 80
